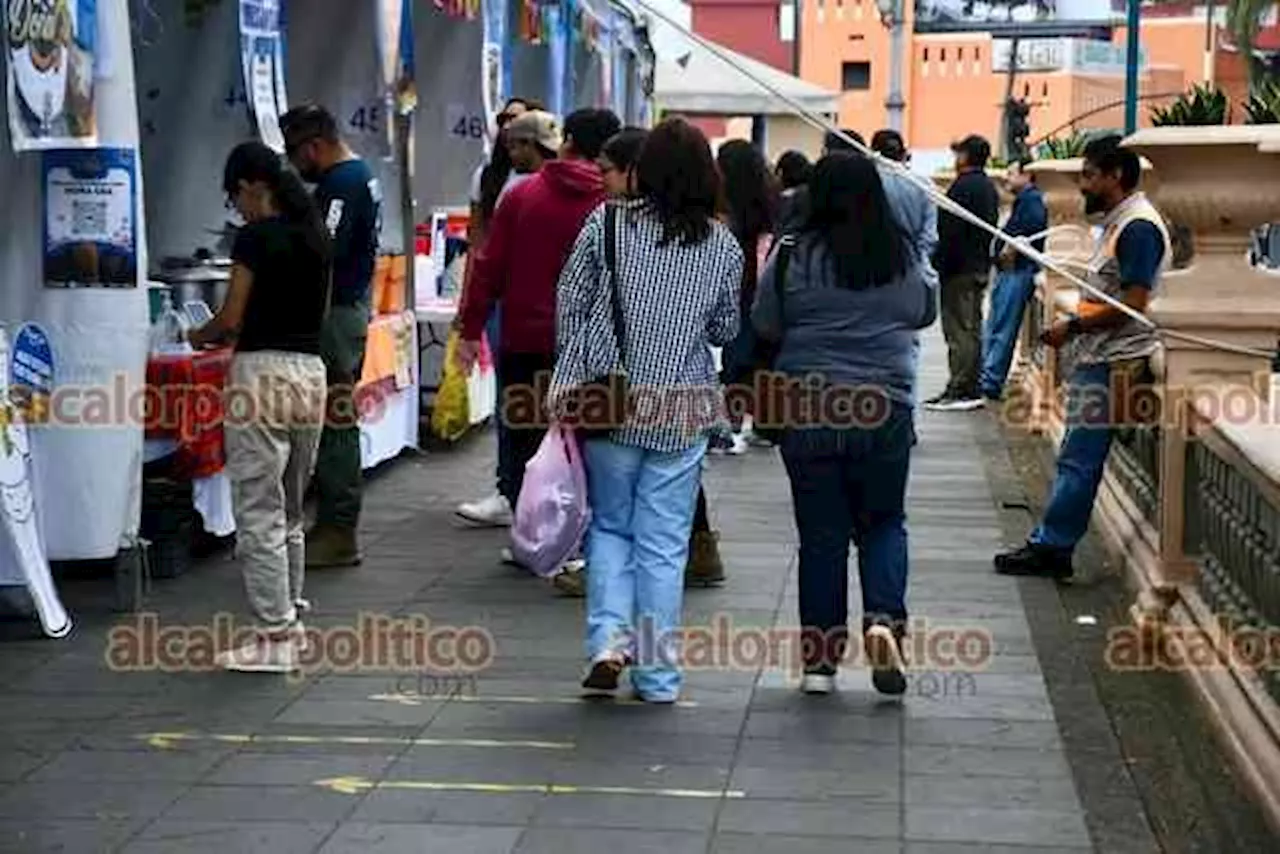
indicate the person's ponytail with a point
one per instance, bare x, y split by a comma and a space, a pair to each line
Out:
300, 209
254, 162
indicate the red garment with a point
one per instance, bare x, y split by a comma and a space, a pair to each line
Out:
529, 240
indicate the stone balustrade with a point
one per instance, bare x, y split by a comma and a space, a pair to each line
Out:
1190, 503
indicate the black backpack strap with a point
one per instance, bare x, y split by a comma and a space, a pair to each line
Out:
615, 287
785, 247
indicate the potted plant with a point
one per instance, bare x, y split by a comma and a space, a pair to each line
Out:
1199, 106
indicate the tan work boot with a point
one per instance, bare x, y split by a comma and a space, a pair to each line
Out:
332, 547
704, 568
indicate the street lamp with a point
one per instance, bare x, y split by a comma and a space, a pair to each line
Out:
891, 17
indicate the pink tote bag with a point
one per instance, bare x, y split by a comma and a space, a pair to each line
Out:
552, 512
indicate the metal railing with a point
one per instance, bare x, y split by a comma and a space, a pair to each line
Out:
1234, 527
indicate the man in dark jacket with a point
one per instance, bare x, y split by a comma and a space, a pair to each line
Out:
1015, 281
529, 240
963, 261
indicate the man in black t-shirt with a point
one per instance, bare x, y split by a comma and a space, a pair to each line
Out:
350, 201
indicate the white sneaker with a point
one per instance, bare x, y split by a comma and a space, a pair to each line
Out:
509, 557
818, 683
491, 512
299, 634
264, 655
302, 606
738, 445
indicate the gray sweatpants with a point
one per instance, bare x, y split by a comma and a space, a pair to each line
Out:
275, 411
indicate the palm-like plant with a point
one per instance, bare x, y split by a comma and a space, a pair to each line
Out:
1263, 106
1244, 19
1063, 148
1202, 105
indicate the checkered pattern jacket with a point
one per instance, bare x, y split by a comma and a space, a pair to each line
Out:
677, 302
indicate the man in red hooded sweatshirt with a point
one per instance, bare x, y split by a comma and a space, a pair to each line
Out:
530, 237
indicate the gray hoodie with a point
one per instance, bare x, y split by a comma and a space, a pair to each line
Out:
851, 337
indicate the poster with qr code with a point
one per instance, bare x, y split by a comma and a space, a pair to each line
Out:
90, 222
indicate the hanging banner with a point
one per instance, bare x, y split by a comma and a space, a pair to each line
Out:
262, 59
51, 72
493, 66
23, 560
90, 218
390, 20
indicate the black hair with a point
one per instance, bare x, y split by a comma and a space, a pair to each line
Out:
976, 150
749, 196
677, 176
623, 148
794, 170
307, 122
493, 178
849, 213
254, 162
529, 104
1109, 157
889, 144
589, 129
833, 142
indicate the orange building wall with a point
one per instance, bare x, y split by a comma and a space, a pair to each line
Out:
946, 99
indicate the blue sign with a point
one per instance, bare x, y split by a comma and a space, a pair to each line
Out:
90, 218
31, 361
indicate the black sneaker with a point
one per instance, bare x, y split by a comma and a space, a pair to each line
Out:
959, 402
1036, 560
883, 647
945, 394
604, 675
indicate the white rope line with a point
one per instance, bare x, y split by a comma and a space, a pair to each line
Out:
1020, 244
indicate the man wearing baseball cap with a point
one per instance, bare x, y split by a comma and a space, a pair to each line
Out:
532, 233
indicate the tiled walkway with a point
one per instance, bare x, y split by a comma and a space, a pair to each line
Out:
95, 760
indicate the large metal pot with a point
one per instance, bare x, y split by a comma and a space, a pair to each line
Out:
199, 277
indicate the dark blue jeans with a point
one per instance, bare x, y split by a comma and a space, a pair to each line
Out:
847, 485
1008, 304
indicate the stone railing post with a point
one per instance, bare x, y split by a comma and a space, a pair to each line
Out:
1220, 183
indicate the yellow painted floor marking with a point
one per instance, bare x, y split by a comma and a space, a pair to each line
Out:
412, 699
168, 740
359, 785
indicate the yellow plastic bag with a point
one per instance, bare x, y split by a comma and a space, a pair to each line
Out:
451, 415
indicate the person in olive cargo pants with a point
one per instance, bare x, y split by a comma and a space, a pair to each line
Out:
350, 200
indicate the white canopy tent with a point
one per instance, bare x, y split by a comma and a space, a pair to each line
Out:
701, 82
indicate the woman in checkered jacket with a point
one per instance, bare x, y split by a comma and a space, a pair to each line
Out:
675, 272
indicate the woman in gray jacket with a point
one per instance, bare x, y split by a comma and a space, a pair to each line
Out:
844, 299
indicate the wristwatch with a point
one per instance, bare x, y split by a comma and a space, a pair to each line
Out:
1074, 326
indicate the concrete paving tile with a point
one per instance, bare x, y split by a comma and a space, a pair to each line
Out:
985, 707
546, 840
669, 749
361, 713
255, 769
804, 754
214, 837
800, 818
1003, 826
478, 766
385, 806
823, 729
641, 775
627, 812
867, 785
87, 799
986, 761
1045, 793
46, 836
739, 843
16, 762
262, 803
128, 766
968, 848
982, 733
421, 839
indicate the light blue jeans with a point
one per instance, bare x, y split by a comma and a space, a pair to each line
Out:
642, 505
1081, 459
1009, 298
